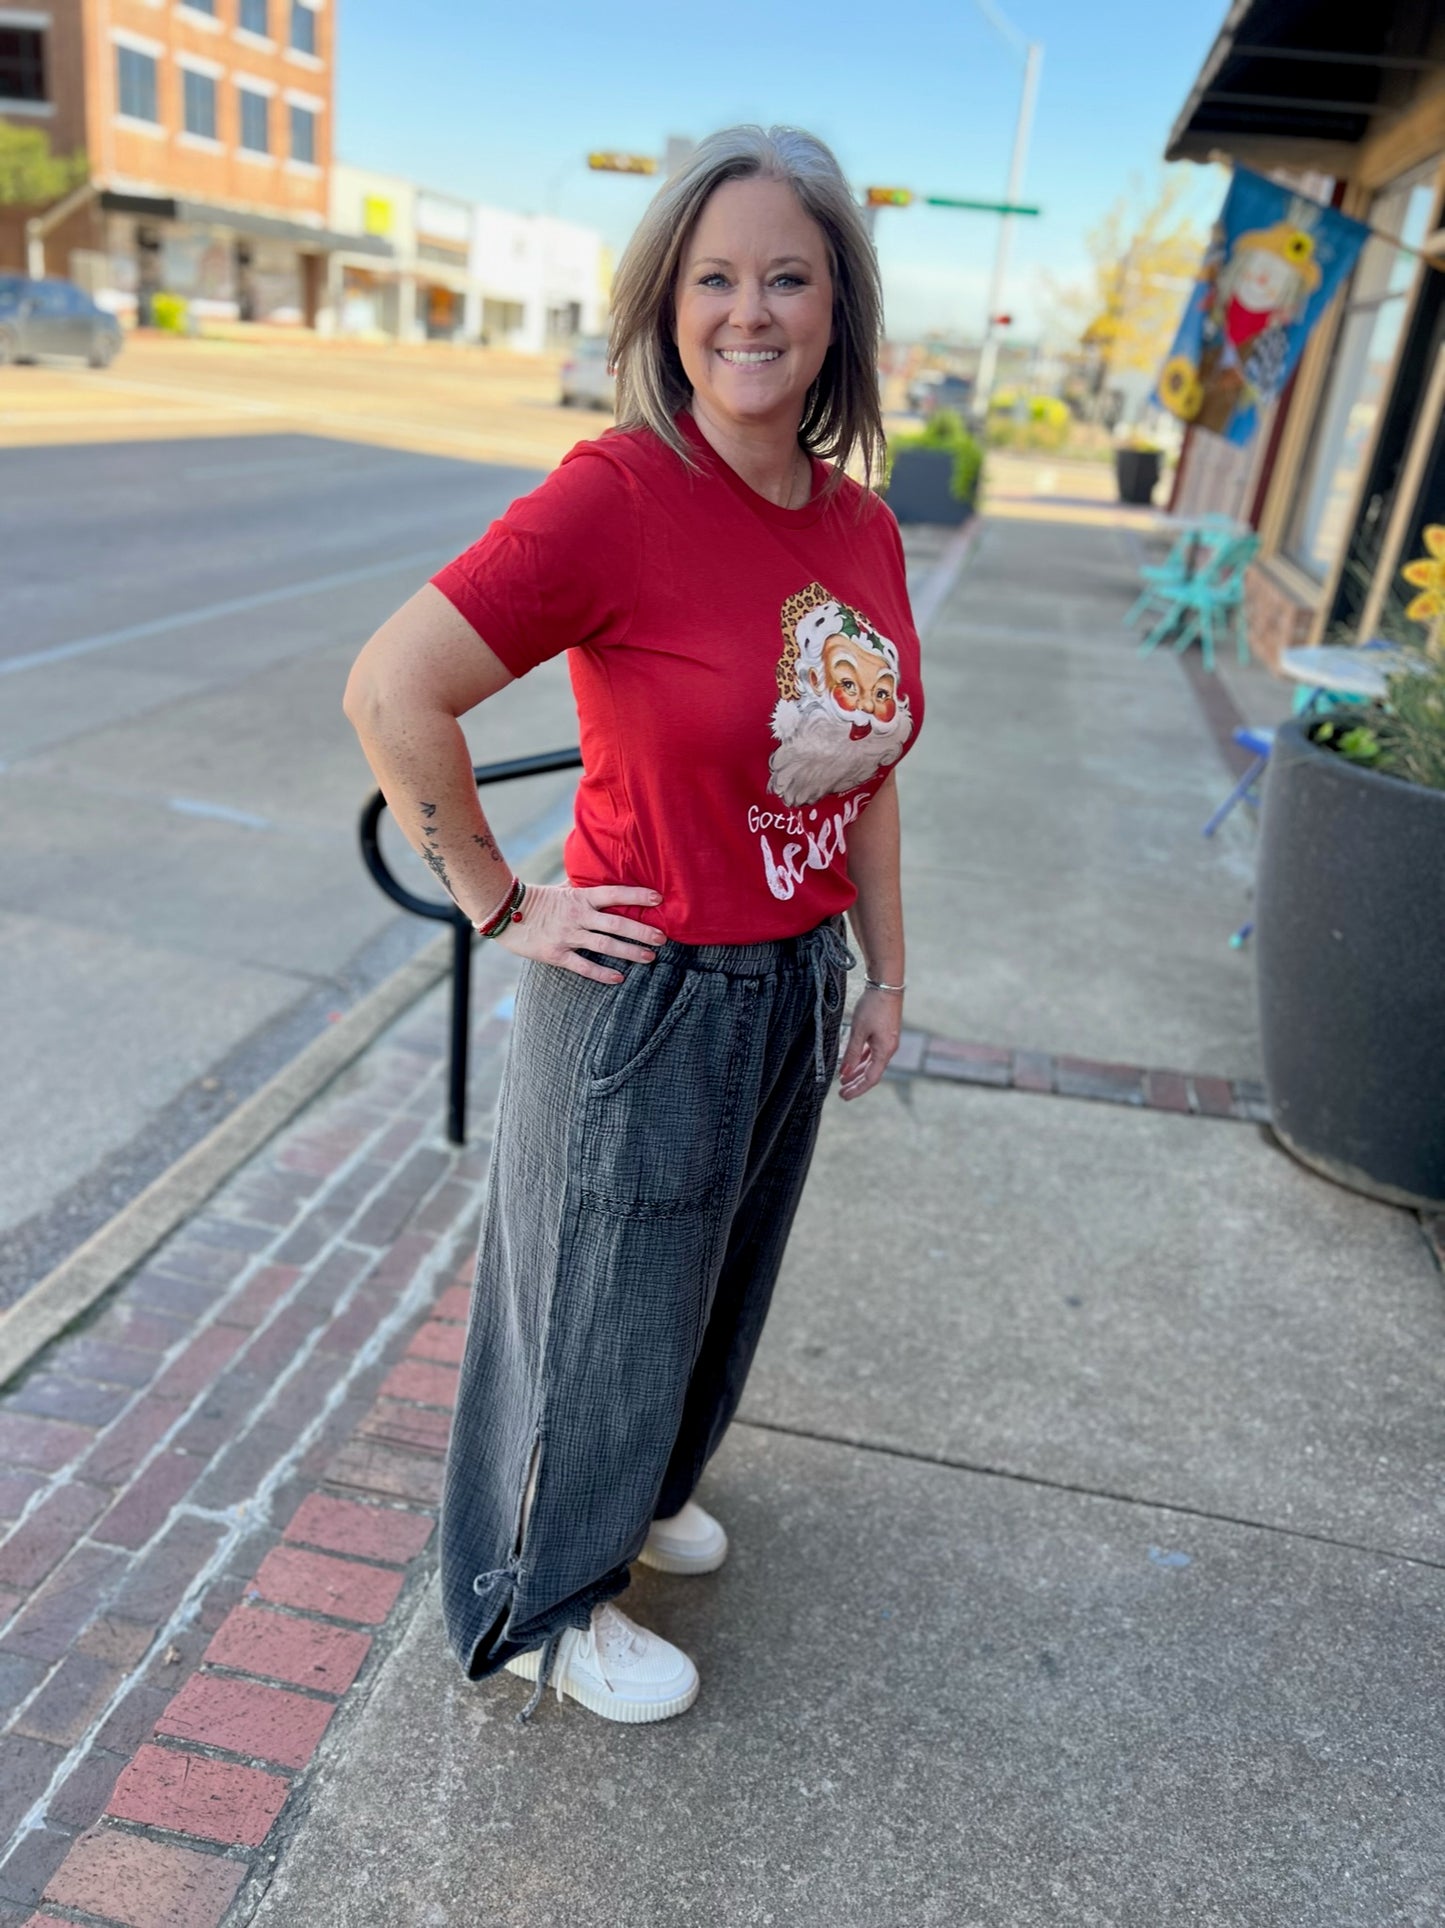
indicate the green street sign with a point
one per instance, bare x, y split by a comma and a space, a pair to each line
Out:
977, 207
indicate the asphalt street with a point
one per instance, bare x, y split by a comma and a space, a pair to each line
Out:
181, 904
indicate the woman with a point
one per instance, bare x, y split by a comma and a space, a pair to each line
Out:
746, 676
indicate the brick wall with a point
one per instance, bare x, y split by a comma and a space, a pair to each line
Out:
172, 162
1278, 617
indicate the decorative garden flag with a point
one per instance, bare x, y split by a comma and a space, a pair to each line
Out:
1274, 260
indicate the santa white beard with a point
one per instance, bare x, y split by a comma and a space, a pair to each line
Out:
817, 756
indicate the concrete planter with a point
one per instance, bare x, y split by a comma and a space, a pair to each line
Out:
1137, 473
920, 487
1350, 951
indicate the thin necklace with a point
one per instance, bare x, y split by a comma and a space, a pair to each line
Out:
807, 482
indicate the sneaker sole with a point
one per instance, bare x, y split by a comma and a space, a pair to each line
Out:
607, 1705
681, 1562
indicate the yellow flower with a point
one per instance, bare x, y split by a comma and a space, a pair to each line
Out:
1180, 388
1427, 573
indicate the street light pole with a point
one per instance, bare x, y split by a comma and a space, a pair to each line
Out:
1033, 58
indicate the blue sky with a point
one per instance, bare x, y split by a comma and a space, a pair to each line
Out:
501, 104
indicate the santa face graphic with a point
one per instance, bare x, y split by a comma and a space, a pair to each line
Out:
842, 717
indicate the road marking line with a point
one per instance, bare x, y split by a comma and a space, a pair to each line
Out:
108, 639
222, 812
271, 465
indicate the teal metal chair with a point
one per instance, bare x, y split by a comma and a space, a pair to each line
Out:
1213, 595
1197, 539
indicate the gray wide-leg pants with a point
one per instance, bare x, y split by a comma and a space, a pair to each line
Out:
651, 1144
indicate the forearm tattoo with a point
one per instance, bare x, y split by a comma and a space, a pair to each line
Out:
430, 855
488, 845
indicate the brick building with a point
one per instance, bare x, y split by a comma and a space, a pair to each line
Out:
208, 129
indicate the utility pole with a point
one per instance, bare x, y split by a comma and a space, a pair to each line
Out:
1033, 58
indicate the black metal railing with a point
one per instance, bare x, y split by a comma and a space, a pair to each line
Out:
447, 913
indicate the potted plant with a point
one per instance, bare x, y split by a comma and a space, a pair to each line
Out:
1137, 462
933, 475
1349, 931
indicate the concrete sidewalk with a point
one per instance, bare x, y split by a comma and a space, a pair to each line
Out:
1088, 1555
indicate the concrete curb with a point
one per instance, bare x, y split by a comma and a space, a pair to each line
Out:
44, 1312
934, 593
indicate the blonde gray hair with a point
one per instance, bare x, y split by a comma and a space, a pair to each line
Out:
842, 414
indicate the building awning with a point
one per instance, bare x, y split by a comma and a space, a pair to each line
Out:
1303, 82
154, 207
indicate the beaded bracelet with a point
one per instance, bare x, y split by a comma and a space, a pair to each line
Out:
874, 985
510, 911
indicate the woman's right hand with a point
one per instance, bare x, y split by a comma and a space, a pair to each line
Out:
559, 922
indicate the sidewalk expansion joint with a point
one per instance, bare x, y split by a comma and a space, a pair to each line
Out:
1043, 1483
1197, 1094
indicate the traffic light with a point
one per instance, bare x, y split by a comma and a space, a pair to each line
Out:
622, 163
890, 197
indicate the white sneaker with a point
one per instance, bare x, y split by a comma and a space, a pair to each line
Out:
692, 1541
617, 1668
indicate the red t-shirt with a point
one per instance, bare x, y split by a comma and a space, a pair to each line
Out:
745, 675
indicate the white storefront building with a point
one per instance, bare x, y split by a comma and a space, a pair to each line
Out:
542, 281
461, 272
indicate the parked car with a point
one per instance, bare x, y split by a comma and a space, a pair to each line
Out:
917, 390
53, 318
587, 381
949, 391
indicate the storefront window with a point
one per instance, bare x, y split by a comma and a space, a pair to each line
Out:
1369, 334
1428, 509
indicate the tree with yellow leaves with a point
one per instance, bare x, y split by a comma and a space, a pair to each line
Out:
1145, 254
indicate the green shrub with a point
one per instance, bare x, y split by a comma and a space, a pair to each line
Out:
1044, 422
944, 430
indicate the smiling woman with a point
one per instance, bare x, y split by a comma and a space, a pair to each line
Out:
747, 679
753, 326
749, 294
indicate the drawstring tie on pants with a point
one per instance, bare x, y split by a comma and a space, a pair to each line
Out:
828, 952
549, 1656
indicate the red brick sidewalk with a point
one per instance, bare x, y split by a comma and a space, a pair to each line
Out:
222, 1485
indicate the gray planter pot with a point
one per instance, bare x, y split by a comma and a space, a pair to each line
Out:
1137, 473
1350, 952
920, 487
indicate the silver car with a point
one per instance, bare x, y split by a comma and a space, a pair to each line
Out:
53, 318
587, 381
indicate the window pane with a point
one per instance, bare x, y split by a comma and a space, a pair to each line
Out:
1429, 508
136, 74
303, 28
303, 134
200, 103
255, 122
253, 16
22, 64
1343, 429
202, 6
1369, 335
